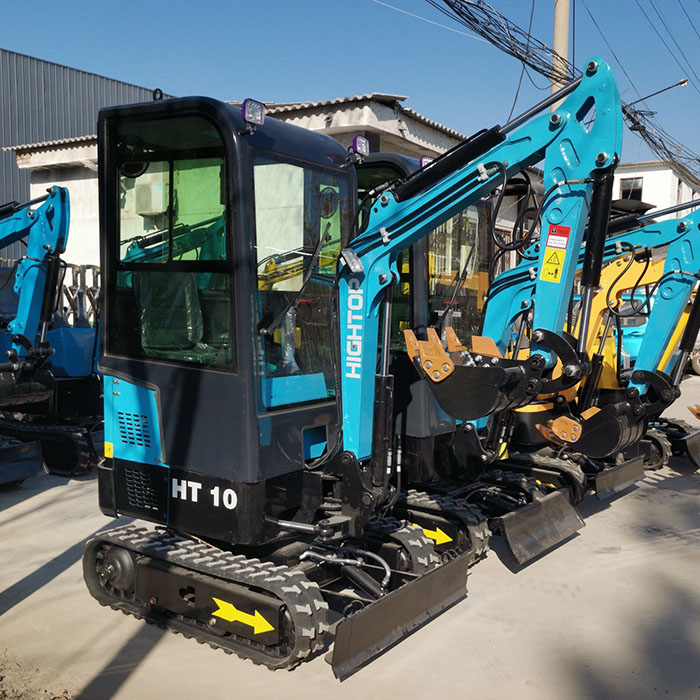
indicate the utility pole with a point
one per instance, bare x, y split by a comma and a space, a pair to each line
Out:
560, 44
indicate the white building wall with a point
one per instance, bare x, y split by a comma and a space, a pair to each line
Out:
660, 186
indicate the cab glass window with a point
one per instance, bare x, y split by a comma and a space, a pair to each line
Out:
302, 214
171, 294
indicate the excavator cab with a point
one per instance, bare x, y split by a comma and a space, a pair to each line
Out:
209, 236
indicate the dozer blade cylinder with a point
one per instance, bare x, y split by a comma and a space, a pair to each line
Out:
615, 479
371, 631
533, 529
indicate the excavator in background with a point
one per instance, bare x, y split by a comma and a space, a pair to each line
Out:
660, 270
253, 418
609, 421
500, 493
50, 393
446, 272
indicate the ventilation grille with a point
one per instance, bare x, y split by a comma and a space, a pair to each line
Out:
142, 491
134, 429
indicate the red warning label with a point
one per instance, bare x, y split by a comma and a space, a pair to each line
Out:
558, 236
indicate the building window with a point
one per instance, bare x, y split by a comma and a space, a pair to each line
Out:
631, 188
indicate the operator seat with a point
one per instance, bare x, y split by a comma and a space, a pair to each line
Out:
170, 316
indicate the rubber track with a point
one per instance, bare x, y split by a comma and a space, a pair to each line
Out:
26, 432
663, 443
568, 468
419, 547
301, 596
470, 517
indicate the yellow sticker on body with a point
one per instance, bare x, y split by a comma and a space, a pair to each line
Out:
552, 265
556, 244
109, 450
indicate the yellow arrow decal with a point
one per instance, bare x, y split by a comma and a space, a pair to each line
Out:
437, 535
230, 613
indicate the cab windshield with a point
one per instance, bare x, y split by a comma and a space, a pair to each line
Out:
171, 296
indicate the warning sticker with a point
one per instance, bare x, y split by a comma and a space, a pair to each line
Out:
558, 236
551, 268
555, 252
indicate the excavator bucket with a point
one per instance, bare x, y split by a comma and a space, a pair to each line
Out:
615, 479
368, 633
533, 529
684, 441
689, 446
468, 391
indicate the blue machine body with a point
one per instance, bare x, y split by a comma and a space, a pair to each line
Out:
45, 230
572, 149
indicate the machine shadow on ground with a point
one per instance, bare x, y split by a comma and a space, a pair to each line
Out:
37, 579
659, 653
125, 661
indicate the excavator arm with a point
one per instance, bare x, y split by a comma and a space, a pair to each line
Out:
574, 149
45, 229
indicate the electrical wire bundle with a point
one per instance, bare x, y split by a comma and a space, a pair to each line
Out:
482, 19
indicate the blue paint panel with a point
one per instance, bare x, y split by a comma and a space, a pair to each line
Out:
73, 347
74, 351
131, 421
314, 442
282, 391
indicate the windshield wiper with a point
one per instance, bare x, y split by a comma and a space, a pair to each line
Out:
307, 277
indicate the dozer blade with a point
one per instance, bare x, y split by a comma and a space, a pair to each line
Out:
533, 529
615, 479
371, 631
689, 445
19, 461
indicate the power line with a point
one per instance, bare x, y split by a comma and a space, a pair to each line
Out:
663, 41
522, 72
610, 48
430, 21
483, 20
685, 12
673, 38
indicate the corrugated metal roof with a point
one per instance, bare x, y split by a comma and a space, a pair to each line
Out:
57, 142
381, 97
275, 107
43, 102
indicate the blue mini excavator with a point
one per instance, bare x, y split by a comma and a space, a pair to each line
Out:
245, 353
50, 394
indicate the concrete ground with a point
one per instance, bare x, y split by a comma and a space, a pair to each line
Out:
612, 613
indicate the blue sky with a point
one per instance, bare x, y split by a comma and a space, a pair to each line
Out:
284, 50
